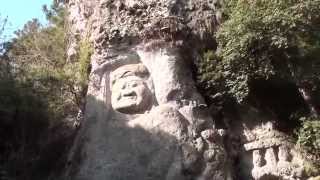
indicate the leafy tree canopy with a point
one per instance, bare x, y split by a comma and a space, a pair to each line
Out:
269, 41
40, 95
265, 39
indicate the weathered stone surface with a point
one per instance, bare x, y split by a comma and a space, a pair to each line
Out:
314, 178
143, 130
273, 154
144, 116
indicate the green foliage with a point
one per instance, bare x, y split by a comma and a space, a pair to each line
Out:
23, 123
261, 39
7, 98
56, 13
3, 23
309, 135
312, 169
85, 52
37, 95
309, 141
39, 57
210, 79
268, 41
77, 72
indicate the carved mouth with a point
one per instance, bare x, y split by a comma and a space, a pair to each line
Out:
130, 95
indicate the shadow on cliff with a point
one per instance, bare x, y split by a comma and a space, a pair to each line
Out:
106, 148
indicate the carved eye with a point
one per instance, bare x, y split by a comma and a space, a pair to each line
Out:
124, 86
134, 84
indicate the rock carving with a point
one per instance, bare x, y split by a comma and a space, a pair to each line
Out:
151, 122
130, 90
144, 118
273, 154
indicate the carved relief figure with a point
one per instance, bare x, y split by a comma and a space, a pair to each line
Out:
133, 94
273, 154
144, 116
130, 89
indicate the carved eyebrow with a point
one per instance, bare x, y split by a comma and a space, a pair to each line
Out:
127, 73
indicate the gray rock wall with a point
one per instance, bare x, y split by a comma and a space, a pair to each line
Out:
144, 117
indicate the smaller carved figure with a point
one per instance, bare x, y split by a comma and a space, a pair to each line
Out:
273, 154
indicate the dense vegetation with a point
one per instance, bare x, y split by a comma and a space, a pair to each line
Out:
268, 56
41, 96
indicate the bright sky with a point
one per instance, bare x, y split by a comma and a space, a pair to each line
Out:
19, 12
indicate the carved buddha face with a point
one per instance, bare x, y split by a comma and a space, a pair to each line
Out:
130, 93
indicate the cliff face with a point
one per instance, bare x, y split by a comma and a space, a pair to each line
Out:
145, 118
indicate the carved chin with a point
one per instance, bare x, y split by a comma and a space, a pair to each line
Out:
129, 106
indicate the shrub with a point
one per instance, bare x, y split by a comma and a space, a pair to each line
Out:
309, 135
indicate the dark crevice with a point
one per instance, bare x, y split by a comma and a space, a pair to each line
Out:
279, 98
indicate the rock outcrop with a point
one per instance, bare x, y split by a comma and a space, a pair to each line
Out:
144, 117
273, 154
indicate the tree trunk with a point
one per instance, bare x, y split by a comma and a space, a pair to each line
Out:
307, 96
